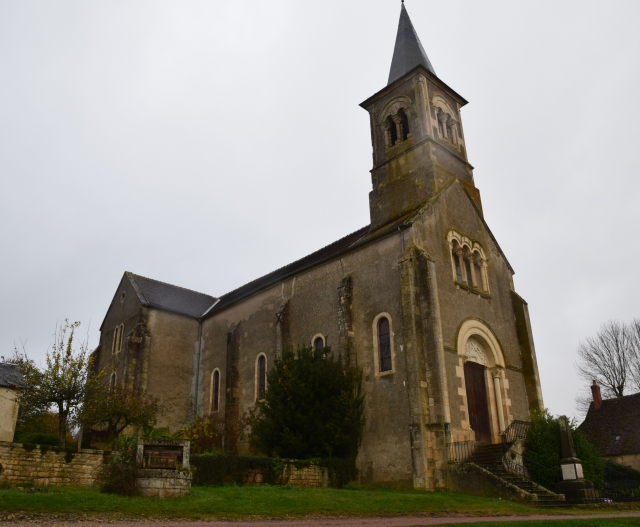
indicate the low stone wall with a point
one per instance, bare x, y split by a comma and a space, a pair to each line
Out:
153, 483
45, 465
303, 475
299, 473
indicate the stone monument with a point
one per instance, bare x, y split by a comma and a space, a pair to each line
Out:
575, 488
163, 468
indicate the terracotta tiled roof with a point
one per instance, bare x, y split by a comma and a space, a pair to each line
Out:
614, 428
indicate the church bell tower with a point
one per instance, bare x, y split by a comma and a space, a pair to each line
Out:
416, 132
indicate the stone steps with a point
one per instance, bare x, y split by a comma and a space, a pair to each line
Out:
490, 457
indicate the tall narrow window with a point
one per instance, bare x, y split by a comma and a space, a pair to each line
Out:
112, 381
456, 260
392, 131
467, 266
384, 345
215, 391
121, 337
318, 344
404, 123
262, 377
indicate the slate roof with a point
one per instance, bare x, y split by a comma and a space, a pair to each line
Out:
408, 52
170, 297
616, 417
326, 253
10, 376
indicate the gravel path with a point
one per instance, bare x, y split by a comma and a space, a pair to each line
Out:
18, 520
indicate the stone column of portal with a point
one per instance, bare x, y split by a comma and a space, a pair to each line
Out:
497, 374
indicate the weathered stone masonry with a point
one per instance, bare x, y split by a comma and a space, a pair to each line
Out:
44, 466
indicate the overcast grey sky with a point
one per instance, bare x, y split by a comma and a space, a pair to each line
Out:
206, 143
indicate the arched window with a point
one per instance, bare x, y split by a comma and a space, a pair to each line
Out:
318, 344
261, 377
456, 254
404, 124
114, 344
468, 267
468, 263
384, 345
121, 337
215, 391
391, 131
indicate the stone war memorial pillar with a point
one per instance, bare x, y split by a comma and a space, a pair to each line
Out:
163, 468
575, 488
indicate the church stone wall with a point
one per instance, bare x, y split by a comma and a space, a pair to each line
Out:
455, 211
311, 307
171, 360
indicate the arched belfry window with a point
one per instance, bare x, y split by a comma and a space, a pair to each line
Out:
261, 377
384, 345
404, 125
215, 391
391, 132
318, 344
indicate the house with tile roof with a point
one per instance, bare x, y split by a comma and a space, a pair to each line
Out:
422, 299
613, 427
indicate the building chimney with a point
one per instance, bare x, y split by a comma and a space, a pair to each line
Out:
597, 398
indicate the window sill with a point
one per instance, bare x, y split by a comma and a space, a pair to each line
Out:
472, 290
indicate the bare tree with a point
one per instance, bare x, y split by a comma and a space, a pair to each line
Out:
611, 358
634, 370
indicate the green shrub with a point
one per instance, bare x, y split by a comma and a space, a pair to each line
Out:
119, 472
38, 439
615, 472
221, 469
544, 451
313, 407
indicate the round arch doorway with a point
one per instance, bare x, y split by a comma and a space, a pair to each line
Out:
477, 400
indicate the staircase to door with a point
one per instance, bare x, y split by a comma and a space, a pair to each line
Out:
491, 458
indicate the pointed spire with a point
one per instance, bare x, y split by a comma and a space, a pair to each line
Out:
408, 52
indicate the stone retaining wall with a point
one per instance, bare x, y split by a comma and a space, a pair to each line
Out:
45, 465
299, 473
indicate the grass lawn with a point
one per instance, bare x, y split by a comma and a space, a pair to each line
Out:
263, 501
598, 522
273, 502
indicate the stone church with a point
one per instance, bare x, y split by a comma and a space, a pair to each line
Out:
422, 298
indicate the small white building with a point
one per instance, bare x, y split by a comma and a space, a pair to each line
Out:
10, 384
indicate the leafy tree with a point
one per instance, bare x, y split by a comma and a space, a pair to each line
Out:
313, 407
205, 433
62, 383
113, 410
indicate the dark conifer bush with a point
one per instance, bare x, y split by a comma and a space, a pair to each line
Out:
313, 407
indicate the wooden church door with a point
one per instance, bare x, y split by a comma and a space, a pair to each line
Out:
474, 379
